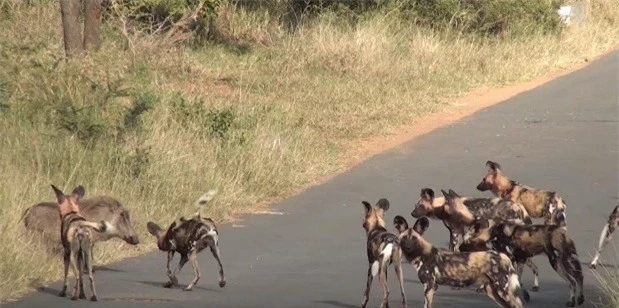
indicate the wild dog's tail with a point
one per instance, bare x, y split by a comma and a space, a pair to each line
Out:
101, 226
385, 254
390, 244
204, 199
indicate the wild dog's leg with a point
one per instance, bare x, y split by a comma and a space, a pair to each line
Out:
76, 272
367, 288
557, 264
382, 276
66, 258
80, 267
535, 271
605, 237
428, 291
519, 265
502, 295
181, 263
87, 261
173, 280
196, 270
215, 251
397, 264
574, 271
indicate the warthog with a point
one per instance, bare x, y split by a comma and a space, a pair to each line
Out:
45, 218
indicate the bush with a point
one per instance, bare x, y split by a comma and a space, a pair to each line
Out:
176, 15
487, 17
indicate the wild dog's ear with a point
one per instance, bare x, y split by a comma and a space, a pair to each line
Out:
561, 219
494, 167
368, 207
446, 194
421, 225
154, 229
481, 224
453, 194
400, 223
427, 194
383, 204
78, 192
59, 194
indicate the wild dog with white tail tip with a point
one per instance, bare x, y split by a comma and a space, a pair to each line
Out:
606, 235
188, 237
383, 249
539, 203
522, 242
76, 234
435, 267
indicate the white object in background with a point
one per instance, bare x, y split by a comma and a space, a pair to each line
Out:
565, 12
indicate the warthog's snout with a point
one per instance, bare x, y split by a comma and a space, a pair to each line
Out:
133, 240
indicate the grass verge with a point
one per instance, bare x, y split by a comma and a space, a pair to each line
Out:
256, 115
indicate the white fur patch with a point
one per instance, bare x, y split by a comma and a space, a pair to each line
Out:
602, 237
208, 196
109, 228
386, 253
375, 266
514, 282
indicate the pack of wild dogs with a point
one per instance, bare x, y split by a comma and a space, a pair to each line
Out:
491, 239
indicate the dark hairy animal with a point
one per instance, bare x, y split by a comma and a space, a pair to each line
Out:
43, 218
188, 237
459, 213
522, 242
76, 234
490, 269
539, 203
383, 249
606, 235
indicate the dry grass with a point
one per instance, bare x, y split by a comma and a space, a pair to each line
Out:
608, 278
296, 99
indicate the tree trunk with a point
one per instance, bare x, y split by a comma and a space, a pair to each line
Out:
92, 25
70, 10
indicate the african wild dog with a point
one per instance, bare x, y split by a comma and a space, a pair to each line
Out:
435, 267
460, 213
188, 237
606, 235
539, 203
76, 234
383, 249
522, 242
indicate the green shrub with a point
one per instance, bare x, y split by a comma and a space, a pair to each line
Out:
156, 15
492, 17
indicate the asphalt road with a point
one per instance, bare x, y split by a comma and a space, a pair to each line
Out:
562, 136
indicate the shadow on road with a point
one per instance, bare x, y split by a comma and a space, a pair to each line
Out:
180, 287
107, 269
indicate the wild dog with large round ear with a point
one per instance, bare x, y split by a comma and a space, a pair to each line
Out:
188, 237
523, 242
436, 267
383, 249
76, 235
539, 203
